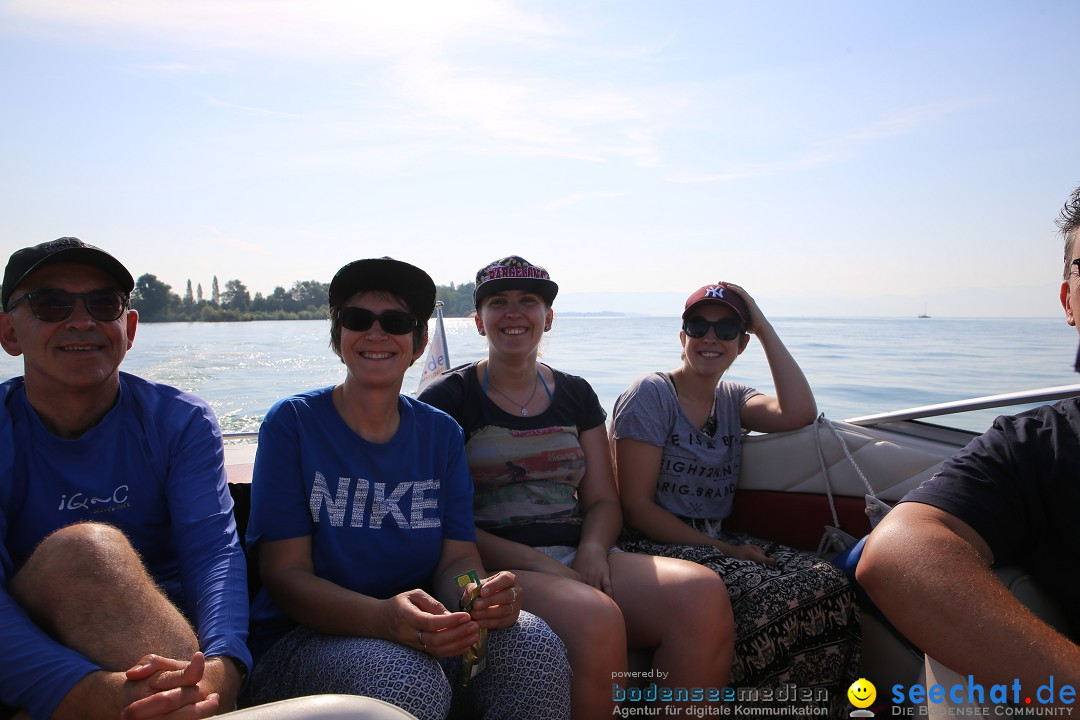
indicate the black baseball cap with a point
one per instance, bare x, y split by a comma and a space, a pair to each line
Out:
386, 274
514, 273
63, 250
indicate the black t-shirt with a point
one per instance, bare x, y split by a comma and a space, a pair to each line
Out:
525, 469
1017, 486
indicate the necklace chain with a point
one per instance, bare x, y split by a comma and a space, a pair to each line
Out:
524, 408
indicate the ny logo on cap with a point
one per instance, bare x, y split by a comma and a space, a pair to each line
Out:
716, 291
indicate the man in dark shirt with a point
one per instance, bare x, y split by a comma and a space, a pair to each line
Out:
1010, 497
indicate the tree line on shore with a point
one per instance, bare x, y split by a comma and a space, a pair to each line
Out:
305, 300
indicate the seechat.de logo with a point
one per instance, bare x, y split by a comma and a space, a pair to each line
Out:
974, 698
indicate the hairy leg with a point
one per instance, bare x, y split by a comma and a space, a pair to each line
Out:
682, 610
87, 587
592, 628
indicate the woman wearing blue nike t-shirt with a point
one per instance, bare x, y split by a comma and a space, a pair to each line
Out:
361, 519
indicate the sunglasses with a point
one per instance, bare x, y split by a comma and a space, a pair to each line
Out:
394, 322
57, 305
698, 327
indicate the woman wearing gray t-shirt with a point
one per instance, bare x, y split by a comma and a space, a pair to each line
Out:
678, 447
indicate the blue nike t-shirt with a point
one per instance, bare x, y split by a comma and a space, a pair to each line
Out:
377, 514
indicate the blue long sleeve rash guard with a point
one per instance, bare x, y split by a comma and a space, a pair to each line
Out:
154, 468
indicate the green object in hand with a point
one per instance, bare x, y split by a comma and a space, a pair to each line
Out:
475, 658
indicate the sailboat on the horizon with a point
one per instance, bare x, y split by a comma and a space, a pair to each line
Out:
923, 313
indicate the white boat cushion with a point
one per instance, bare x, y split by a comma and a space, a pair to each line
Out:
789, 462
325, 707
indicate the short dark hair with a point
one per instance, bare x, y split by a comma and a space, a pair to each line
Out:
1068, 223
335, 322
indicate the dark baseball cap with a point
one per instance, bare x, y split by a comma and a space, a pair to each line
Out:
513, 273
717, 293
386, 274
63, 250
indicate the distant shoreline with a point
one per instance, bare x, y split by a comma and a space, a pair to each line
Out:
254, 317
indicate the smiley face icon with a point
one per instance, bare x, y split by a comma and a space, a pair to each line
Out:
862, 693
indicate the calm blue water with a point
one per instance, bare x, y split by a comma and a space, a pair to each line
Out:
856, 366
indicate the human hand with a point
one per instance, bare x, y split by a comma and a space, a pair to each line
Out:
416, 619
167, 687
757, 318
591, 562
499, 603
749, 551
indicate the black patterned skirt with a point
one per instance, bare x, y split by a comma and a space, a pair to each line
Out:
796, 622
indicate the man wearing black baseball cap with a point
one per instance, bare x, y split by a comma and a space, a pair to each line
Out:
122, 581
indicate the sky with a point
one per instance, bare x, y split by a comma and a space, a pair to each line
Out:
834, 158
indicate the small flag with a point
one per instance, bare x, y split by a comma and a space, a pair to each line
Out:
438, 357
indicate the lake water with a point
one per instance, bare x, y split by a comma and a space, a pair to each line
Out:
856, 366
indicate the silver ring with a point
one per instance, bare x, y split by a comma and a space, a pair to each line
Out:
420, 638
511, 606
513, 589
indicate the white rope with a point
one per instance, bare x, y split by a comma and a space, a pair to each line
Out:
824, 469
835, 538
851, 459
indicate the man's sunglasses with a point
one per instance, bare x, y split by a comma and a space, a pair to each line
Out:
57, 305
698, 327
394, 322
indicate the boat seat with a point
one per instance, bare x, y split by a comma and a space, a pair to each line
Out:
784, 479
241, 495
324, 707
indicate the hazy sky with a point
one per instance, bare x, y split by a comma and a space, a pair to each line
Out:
835, 158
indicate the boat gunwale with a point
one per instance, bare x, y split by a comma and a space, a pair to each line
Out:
1024, 397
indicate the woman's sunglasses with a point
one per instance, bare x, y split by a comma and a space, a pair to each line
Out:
57, 305
697, 327
394, 322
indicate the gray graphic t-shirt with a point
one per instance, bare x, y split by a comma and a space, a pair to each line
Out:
698, 471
